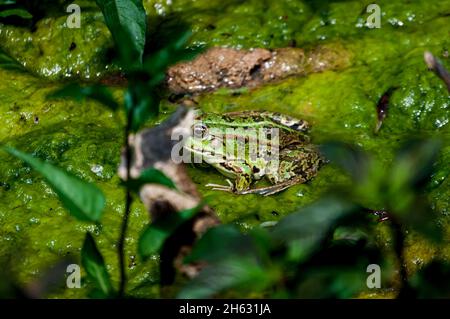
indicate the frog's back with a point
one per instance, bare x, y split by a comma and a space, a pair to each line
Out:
256, 119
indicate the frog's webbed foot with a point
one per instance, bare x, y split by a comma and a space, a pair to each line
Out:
265, 191
273, 189
226, 188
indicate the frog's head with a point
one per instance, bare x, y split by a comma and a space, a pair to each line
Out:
206, 143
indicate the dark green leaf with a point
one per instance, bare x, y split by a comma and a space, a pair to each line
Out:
337, 270
239, 273
413, 165
8, 63
155, 235
141, 103
414, 211
350, 235
94, 265
432, 281
221, 242
150, 176
127, 21
304, 230
410, 173
22, 13
83, 200
95, 92
352, 159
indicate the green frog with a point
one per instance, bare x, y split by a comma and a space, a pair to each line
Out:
249, 146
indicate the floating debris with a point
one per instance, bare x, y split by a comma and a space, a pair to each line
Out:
382, 107
436, 66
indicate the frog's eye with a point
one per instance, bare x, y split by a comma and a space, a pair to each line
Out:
200, 130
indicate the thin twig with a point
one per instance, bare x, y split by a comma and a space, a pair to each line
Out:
399, 247
437, 67
128, 202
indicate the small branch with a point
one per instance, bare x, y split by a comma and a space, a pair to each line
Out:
436, 66
399, 247
128, 202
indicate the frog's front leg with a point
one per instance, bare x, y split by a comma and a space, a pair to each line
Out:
273, 189
241, 184
226, 188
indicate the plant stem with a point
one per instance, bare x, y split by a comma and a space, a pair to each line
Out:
128, 202
399, 246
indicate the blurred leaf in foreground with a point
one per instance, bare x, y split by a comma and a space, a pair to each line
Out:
411, 170
302, 232
94, 265
349, 157
222, 242
142, 98
8, 63
150, 176
127, 22
337, 269
241, 274
398, 188
82, 199
155, 235
141, 104
432, 281
21, 13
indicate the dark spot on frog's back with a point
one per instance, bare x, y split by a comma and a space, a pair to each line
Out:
293, 123
299, 126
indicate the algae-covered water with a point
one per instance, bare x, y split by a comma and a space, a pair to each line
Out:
35, 231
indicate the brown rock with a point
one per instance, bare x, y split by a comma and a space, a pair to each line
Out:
218, 67
232, 68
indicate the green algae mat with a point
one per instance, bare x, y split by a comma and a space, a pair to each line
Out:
82, 137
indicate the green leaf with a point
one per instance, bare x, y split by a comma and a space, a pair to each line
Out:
413, 165
141, 103
432, 280
237, 273
83, 200
127, 21
150, 176
406, 181
350, 158
94, 265
95, 92
22, 13
304, 230
338, 270
155, 235
8, 63
221, 242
